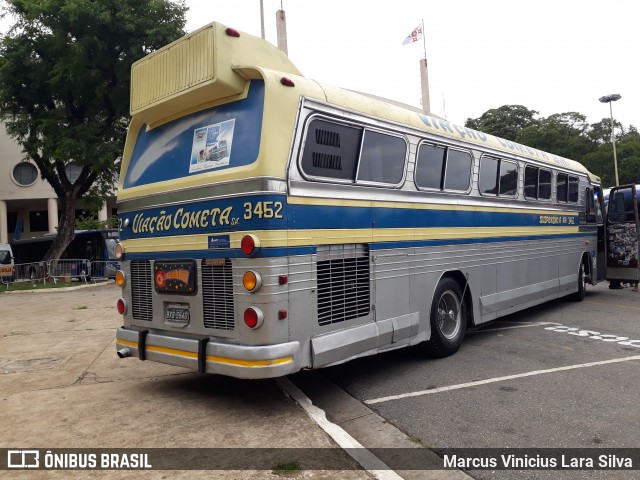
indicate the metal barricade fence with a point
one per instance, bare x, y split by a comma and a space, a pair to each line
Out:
31, 272
68, 269
102, 269
62, 270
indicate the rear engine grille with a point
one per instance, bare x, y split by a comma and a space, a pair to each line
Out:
217, 296
141, 290
344, 289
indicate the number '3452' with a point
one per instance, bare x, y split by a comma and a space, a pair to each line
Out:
262, 210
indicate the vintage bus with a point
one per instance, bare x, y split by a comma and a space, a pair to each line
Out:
271, 224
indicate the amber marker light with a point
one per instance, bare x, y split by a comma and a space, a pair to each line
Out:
252, 281
120, 278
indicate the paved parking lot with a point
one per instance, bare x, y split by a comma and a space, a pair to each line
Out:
62, 386
560, 375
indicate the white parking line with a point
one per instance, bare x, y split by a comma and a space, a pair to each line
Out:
522, 325
498, 379
364, 457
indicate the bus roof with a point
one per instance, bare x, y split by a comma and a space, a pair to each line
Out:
215, 65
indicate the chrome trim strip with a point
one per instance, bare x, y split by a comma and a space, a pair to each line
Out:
229, 189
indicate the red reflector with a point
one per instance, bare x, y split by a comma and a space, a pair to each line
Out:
251, 317
282, 314
283, 279
232, 32
287, 82
248, 244
120, 306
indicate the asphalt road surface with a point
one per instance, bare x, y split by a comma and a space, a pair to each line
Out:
560, 375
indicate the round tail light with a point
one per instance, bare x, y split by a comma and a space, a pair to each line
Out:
253, 317
249, 244
121, 306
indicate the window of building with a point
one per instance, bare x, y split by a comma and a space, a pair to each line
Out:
498, 177
382, 159
443, 168
73, 171
25, 174
39, 221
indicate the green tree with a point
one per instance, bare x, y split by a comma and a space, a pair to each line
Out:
504, 122
600, 161
64, 87
563, 134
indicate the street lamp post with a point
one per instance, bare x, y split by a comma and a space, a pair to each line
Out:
609, 99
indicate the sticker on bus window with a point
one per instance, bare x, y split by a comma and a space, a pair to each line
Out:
211, 146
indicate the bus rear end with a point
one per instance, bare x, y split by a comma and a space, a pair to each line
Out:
203, 211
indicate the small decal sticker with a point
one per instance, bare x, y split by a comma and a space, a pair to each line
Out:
220, 241
211, 146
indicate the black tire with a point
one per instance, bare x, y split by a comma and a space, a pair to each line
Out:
582, 285
448, 319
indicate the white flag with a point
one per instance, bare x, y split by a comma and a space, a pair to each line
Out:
415, 35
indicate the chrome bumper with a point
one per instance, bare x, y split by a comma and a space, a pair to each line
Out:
207, 356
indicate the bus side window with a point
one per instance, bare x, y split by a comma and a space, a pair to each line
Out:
382, 159
331, 150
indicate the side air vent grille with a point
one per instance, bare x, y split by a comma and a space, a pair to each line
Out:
344, 286
325, 137
326, 160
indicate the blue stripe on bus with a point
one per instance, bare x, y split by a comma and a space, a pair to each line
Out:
239, 214
310, 250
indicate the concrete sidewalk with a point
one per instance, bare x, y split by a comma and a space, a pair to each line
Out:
63, 386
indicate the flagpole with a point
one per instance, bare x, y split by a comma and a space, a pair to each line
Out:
424, 41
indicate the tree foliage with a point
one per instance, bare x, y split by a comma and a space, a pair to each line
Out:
568, 135
64, 87
504, 122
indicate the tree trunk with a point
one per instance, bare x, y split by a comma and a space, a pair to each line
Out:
66, 227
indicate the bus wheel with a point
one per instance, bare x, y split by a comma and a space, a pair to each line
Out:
448, 320
582, 285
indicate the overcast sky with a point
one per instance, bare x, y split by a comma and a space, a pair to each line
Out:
552, 56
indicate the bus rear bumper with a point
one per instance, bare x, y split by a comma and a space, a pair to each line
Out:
207, 356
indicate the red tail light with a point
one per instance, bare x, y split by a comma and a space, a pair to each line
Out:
249, 244
253, 317
121, 306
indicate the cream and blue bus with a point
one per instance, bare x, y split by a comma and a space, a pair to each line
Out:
270, 224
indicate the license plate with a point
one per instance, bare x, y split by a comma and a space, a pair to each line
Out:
178, 314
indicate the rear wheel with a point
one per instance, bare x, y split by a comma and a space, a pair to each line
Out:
582, 285
448, 320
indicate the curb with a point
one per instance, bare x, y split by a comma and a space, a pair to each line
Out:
56, 290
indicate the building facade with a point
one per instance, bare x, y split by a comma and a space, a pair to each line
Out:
28, 205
